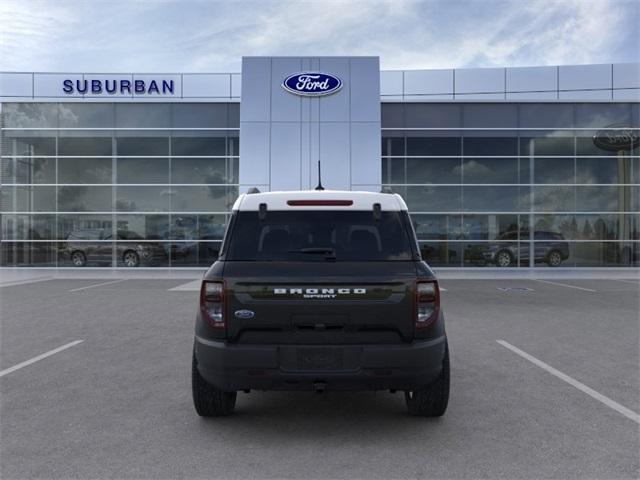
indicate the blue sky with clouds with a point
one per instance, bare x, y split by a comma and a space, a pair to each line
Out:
212, 36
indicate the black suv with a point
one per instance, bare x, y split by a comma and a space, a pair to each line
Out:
320, 291
509, 249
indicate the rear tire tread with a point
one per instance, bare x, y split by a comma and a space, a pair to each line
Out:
208, 400
432, 400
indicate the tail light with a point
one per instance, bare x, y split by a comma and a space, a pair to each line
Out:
212, 303
427, 303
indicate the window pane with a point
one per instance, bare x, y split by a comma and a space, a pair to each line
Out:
490, 170
144, 199
393, 170
491, 227
27, 199
29, 254
434, 170
488, 146
84, 199
84, 170
84, 146
603, 170
550, 199
433, 146
599, 115
32, 146
143, 115
495, 199
203, 199
200, 115
143, 170
30, 115
548, 146
437, 227
425, 115
441, 254
143, 146
602, 199
148, 227
553, 170
200, 170
545, 115
28, 227
84, 226
28, 170
392, 146
431, 199
74, 115
196, 146
606, 254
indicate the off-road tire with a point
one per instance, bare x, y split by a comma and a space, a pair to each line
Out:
208, 400
432, 400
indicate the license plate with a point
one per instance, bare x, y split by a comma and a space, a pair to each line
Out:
320, 358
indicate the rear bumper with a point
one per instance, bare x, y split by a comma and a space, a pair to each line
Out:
232, 367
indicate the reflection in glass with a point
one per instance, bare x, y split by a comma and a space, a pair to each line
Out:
553, 170
84, 146
84, 199
203, 199
437, 227
550, 199
84, 170
147, 227
144, 199
27, 199
495, 199
442, 254
434, 170
198, 146
28, 227
28, 170
490, 170
431, 198
200, 170
143, 170
69, 225
28, 254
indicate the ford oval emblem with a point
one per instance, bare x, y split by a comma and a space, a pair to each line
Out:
244, 314
312, 84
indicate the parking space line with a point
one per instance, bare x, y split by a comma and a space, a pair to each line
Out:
98, 285
25, 282
632, 282
575, 383
39, 357
564, 285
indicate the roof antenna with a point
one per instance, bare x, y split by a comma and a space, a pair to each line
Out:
319, 187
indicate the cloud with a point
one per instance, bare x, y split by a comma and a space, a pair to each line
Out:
197, 35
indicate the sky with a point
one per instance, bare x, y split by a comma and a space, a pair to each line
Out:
211, 36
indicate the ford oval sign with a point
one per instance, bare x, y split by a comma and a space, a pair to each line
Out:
244, 314
312, 84
617, 137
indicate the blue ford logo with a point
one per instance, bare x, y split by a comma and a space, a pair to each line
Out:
244, 314
312, 84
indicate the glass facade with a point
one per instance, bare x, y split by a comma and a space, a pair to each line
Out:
511, 184
116, 184
152, 184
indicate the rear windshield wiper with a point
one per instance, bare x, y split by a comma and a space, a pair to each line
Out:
329, 252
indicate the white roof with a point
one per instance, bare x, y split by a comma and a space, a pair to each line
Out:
283, 200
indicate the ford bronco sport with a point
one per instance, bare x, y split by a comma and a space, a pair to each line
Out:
320, 290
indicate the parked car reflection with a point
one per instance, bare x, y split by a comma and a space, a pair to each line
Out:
509, 249
97, 246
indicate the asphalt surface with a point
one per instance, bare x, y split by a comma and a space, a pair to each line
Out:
118, 405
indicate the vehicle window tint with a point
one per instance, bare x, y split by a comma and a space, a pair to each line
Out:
319, 236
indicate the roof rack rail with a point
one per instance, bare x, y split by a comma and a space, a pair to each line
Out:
386, 190
253, 190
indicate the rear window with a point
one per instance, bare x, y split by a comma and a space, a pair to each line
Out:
319, 236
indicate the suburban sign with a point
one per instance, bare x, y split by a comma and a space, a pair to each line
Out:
121, 86
616, 138
312, 84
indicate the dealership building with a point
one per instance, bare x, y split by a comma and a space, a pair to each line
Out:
526, 167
